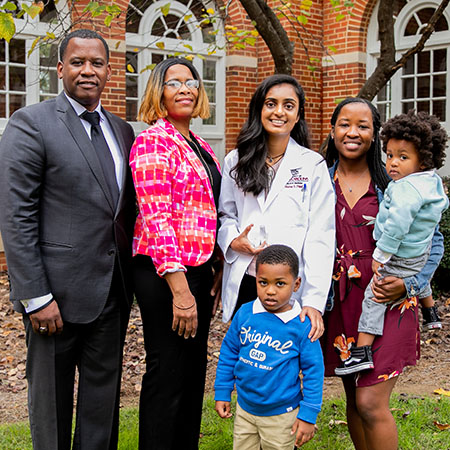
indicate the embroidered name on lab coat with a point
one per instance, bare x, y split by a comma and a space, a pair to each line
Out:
297, 180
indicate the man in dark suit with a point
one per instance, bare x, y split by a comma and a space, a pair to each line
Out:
66, 216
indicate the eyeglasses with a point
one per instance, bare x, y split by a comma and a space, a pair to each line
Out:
176, 84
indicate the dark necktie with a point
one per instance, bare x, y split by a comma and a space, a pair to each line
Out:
103, 153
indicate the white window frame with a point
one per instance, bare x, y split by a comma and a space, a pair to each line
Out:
438, 40
29, 29
146, 45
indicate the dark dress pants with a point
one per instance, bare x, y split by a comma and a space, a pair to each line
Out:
96, 349
173, 385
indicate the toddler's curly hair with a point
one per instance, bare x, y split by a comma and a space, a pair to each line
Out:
423, 131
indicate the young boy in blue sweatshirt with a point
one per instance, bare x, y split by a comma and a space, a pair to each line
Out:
263, 353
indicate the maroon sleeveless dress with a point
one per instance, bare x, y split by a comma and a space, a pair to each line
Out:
400, 344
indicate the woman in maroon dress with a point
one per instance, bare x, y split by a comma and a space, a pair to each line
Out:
354, 154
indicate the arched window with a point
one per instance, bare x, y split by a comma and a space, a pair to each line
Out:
159, 30
423, 83
27, 77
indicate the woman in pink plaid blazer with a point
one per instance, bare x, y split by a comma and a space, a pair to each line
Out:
177, 180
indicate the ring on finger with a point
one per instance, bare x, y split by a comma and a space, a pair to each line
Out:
43, 330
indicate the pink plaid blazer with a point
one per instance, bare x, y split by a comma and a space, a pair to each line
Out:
176, 224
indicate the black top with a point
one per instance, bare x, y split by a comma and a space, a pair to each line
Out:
210, 166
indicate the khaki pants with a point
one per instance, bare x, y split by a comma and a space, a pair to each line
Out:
265, 432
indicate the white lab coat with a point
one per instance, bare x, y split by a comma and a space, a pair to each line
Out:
298, 212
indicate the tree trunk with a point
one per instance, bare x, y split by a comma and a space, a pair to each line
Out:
273, 34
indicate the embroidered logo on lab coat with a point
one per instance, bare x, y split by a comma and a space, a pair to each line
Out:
297, 180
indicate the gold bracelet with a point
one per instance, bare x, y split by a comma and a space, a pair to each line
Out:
184, 309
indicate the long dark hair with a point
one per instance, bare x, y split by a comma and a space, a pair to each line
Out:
250, 173
373, 156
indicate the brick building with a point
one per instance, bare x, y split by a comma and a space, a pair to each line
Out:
148, 32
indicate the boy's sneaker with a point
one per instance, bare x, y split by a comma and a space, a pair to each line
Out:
360, 359
431, 319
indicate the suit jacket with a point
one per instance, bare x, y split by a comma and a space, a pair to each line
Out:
60, 230
298, 212
177, 219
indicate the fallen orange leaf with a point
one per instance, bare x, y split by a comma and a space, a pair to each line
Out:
442, 426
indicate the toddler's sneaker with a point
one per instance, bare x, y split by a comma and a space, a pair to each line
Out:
431, 319
360, 359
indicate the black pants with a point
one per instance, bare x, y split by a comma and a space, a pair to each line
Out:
247, 292
173, 385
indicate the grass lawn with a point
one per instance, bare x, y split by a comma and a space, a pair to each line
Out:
415, 417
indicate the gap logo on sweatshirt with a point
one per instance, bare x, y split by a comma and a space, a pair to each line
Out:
248, 335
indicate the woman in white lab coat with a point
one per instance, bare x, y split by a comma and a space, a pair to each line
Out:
276, 191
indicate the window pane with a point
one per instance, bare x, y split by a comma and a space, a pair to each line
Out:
409, 66
16, 102
17, 51
48, 55
158, 28
439, 109
381, 96
132, 86
48, 82
209, 70
408, 87
17, 78
425, 15
423, 106
382, 110
439, 86
423, 62
49, 12
184, 32
131, 110
423, 87
2, 78
2, 49
2, 105
407, 106
440, 60
131, 58
412, 27
210, 89
212, 118
157, 58
441, 24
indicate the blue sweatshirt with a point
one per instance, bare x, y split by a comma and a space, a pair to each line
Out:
409, 213
262, 354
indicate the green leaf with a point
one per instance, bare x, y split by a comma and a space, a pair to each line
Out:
113, 9
33, 10
187, 17
149, 67
7, 26
302, 19
10, 6
339, 17
91, 6
332, 49
200, 56
108, 20
250, 41
33, 45
165, 9
189, 47
160, 45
